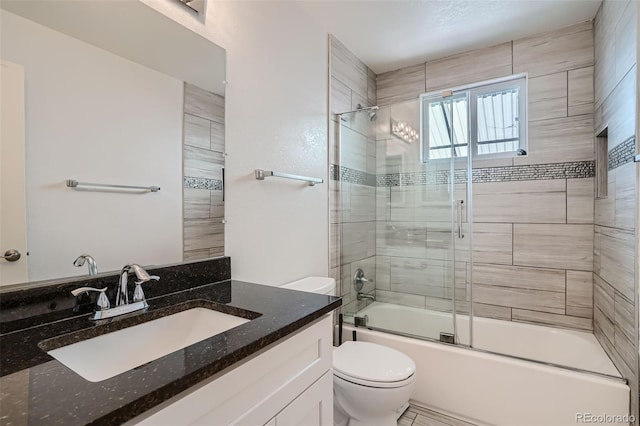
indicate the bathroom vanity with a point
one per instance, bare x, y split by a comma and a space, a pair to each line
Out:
273, 368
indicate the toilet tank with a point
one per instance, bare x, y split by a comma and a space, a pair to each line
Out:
321, 285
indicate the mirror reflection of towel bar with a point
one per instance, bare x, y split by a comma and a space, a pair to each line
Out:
261, 174
75, 184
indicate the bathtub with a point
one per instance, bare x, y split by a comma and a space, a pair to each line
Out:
487, 388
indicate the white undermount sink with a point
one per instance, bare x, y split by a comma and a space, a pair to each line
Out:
114, 353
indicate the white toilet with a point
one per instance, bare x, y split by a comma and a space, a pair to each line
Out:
371, 383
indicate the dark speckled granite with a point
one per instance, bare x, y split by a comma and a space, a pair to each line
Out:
37, 389
31, 304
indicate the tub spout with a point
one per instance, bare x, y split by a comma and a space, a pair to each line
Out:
366, 296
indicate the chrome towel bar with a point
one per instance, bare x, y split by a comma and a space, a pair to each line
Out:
261, 174
75, 184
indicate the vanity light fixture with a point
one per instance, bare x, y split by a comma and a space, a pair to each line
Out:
404, 131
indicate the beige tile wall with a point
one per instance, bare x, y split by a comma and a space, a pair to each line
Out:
352, 145
532, 240
615, 294
203, 157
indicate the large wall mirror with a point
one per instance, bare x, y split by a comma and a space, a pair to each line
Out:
112, 92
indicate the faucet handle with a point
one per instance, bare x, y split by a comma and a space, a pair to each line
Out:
138, 294
103, 300
150, 278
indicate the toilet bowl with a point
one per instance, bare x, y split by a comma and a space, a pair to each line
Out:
371, 383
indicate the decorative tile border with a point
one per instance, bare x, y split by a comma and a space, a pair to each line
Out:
202, 183
349, 175
570, 170
622, 154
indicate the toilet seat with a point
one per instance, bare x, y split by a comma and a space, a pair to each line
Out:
379, 385
372, 365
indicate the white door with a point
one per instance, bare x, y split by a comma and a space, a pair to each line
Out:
13, 224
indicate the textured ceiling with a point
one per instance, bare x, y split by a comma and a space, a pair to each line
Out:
388, 35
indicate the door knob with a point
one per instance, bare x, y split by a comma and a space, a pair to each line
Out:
11, 255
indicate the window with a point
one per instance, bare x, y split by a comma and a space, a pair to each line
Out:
489, 117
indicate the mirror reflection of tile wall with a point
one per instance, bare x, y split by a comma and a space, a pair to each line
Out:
203, 157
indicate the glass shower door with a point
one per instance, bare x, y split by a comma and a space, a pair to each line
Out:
445, 152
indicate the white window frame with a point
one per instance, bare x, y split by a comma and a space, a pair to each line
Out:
519, 81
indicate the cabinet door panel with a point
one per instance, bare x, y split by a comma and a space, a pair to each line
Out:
314, 407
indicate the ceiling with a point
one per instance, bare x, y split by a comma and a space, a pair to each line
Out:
387, 35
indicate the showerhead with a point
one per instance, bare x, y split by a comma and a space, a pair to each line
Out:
372, 112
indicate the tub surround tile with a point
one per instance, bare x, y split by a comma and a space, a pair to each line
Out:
404, 299
275, 314
358, 241
383, 273
623, 316
580, 294
580, 200
523, 298
421, 277
545, 318
604, 208
559, 140
547, 96
340, 97
539, 279
492, 311
203, 104
526, 288
580, 84
546, 53
197, 131
492, 243
625, 197
618, 112
625, 34
401, 239
469, 67
217, 136
603, 298
553, 246
401, 85
347, 68
196, 203
606, 21
613, 258
203, 163
362, 203
540, 201
203, 233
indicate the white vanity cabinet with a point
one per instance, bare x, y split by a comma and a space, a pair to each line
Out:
288, 383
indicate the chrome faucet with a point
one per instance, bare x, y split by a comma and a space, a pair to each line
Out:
122, 295
91, 263
121, 306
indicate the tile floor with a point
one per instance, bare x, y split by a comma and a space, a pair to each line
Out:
418, 416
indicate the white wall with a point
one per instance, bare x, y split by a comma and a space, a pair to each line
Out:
276, 106
93, 116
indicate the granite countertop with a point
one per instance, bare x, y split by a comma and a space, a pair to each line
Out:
37, 389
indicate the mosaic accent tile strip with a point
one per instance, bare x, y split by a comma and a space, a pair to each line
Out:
349, 175
622, 154
202, 183
570, 170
